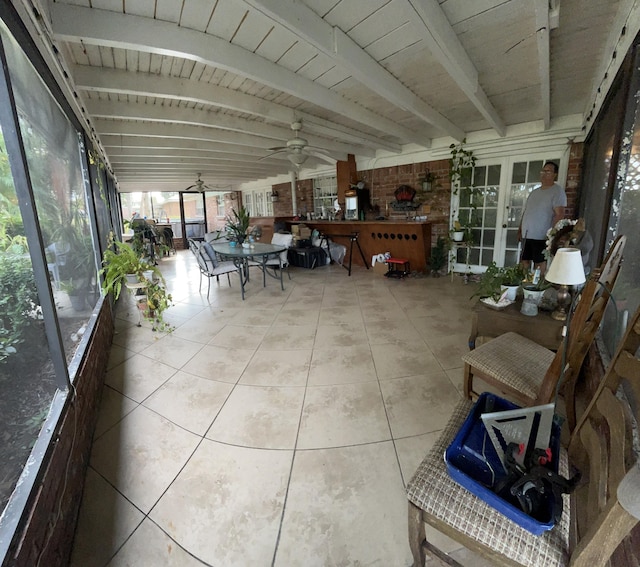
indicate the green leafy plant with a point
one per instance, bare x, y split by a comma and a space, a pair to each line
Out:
118, 261
491, 282
158, 300
19, 304
461, 164
237, 225
438, 258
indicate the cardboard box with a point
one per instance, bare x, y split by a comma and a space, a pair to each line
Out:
380, 268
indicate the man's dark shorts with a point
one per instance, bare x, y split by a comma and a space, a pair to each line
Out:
534, 250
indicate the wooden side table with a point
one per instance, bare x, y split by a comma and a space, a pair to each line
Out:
542, 329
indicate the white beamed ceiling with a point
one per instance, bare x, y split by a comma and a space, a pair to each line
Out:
173, 88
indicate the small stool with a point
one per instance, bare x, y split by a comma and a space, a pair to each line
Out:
393, 265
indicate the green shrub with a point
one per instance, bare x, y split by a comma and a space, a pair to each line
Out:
19, 304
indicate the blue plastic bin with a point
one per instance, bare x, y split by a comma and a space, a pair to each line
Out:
474, 464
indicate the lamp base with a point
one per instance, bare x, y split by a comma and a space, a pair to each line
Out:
564, 301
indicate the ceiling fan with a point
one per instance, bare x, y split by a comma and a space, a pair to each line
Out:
298, 149
199, 185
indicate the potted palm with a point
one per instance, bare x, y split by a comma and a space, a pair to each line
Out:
237, 225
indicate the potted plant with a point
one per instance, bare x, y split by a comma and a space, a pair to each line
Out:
237, 225
157, 300
495, 279
438, 258
119, 261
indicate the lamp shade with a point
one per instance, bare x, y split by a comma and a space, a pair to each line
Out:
566, 267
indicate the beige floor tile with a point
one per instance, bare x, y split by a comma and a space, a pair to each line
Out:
142, 455
412, 450
199, 329
336, 363
189, 401
300, 337
278, 368
148, 546
138, 377
349, 414
233, 499
346, 506
255, 318
338, 315
113, 407
399, 332
239, 336
342, 365
261, 417
136, 338
296, 317
219, 363
329, 336
419, 404
106, 520
393, 361
449, 349
174, 351
118, 354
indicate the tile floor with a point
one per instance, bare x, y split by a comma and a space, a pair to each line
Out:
279, 430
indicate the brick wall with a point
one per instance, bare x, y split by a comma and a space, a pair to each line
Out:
48, 525
382, 183
283, 207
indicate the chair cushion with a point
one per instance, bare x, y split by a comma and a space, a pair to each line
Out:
434, 491
209, 251
513, 360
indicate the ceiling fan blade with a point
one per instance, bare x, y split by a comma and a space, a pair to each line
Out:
277, 148
189, 188
322, 156
280, 151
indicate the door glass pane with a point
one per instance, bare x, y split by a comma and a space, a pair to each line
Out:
493, 177
534, 169
194, 215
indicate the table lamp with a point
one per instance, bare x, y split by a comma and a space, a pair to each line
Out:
566, 269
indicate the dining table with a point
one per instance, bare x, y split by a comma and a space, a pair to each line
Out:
241, 254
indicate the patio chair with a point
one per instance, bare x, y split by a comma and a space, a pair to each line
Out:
279, 262
528, 373
211, 267
596, 517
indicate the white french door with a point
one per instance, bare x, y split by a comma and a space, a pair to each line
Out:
501, 187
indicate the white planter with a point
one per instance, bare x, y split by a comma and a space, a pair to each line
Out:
534, 295
132, 278
457, 235
512, 291
148, 275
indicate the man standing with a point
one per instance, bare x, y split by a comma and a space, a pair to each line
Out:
544, 208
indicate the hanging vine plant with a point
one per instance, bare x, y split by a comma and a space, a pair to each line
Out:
461, 164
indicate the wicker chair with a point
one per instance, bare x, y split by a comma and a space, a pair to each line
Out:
528, 373
596, 517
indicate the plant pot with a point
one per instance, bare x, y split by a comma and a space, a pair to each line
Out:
148, 275
78, 301
512, 291
458, 235
132, 278
534, 295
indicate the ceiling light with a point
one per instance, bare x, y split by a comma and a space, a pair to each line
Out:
297, 158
